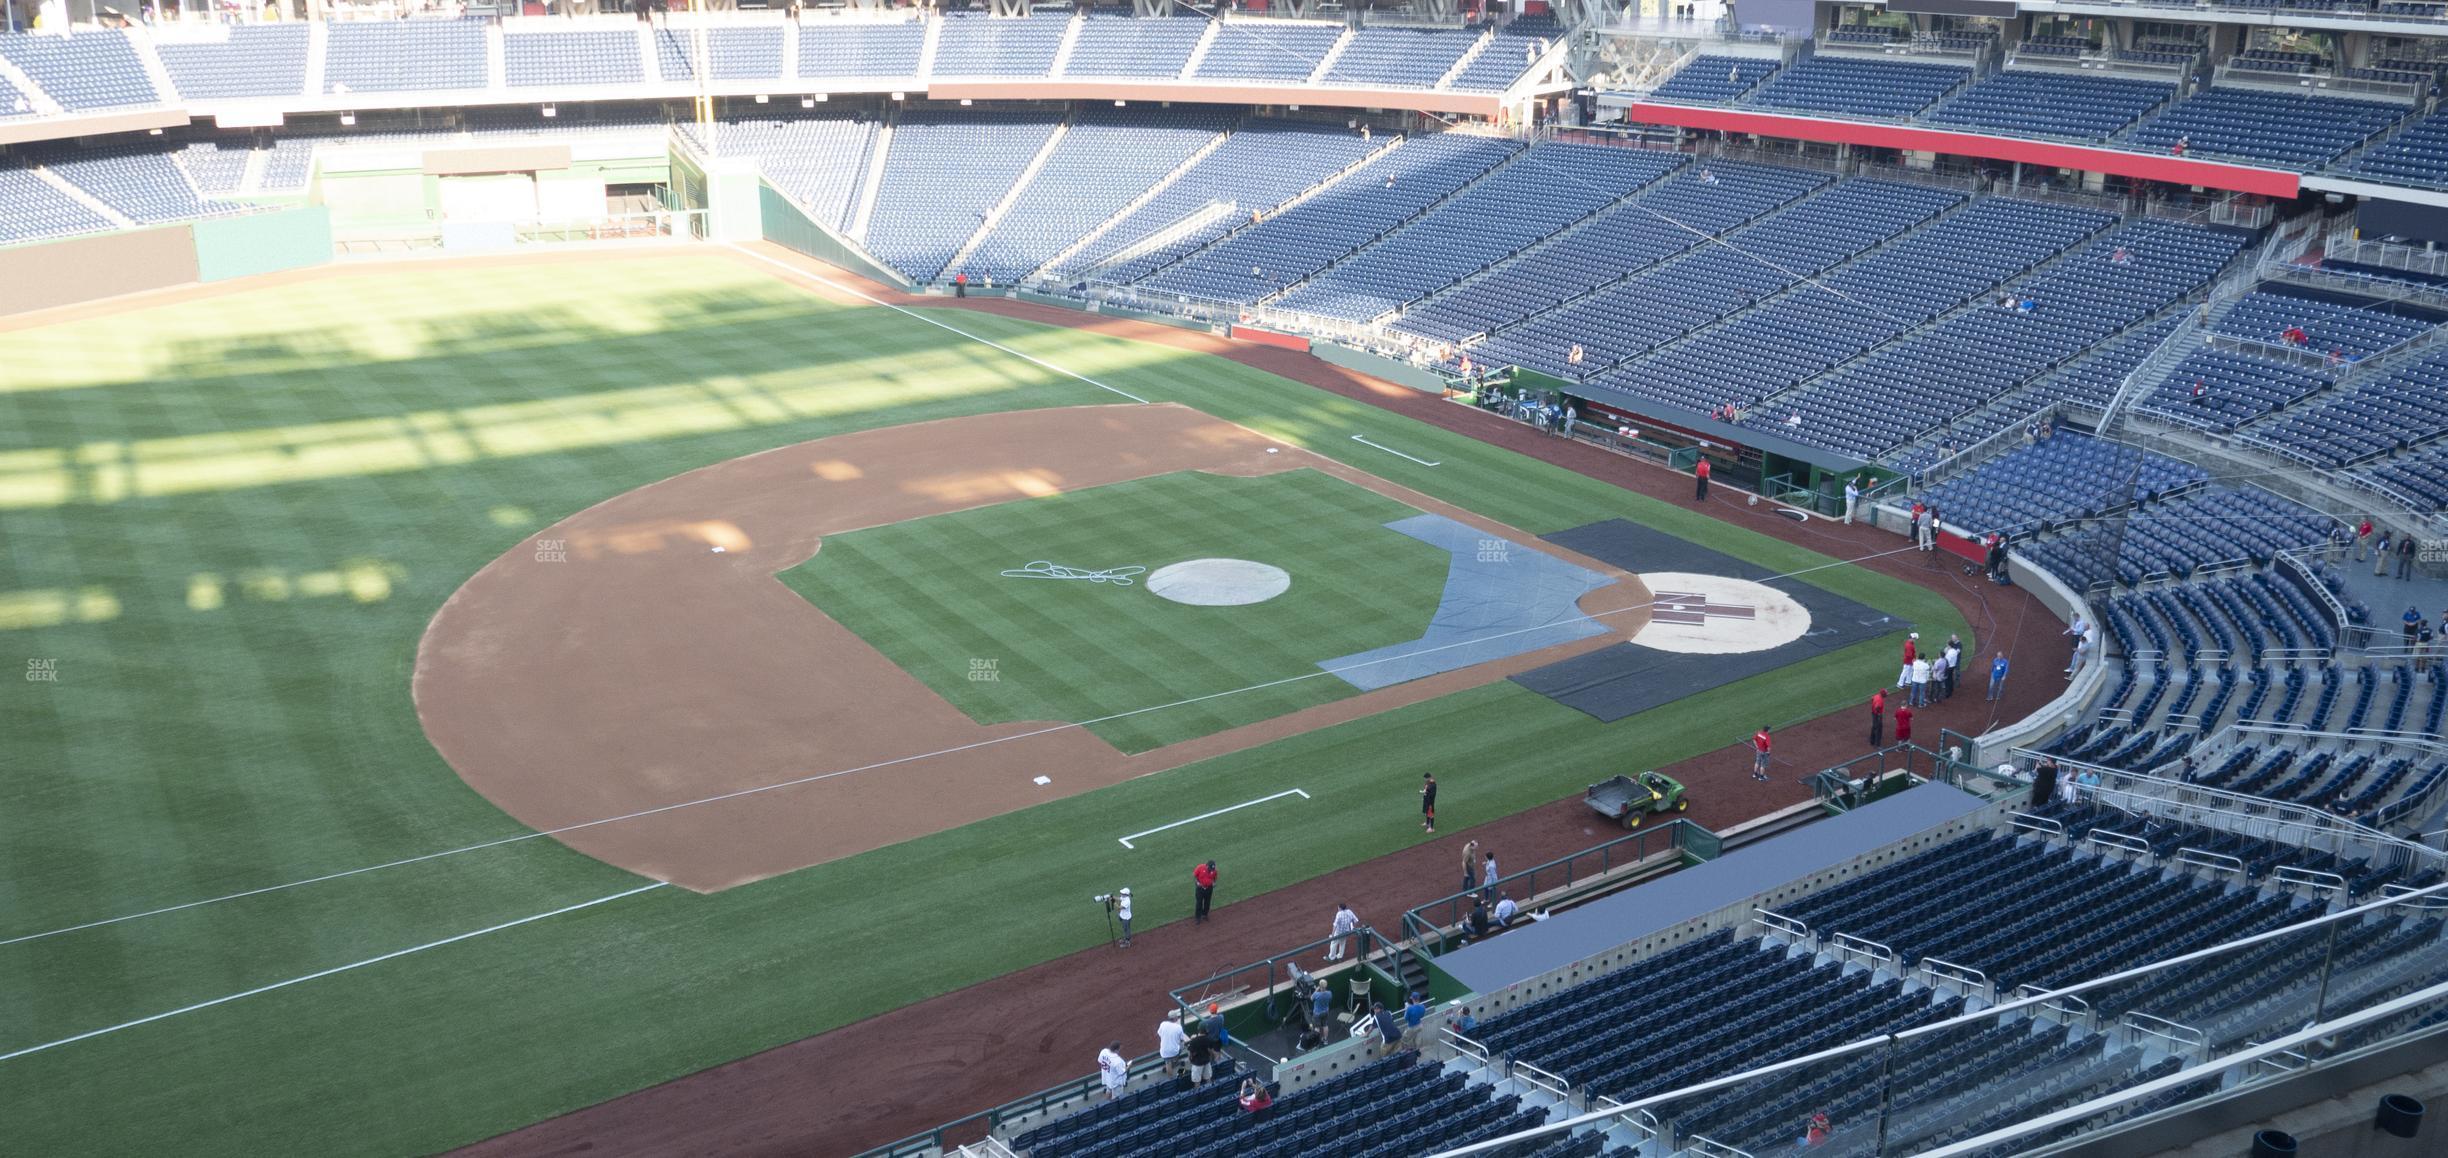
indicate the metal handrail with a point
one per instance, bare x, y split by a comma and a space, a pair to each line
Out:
1974, 981
1525, 1072
2185, 1038
2120, 842
1846, 947
1461, 1044
2039, 824
2213, 861
2308, 878
1793, 930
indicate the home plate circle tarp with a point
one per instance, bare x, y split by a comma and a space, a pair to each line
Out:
1698, 614
1219, 582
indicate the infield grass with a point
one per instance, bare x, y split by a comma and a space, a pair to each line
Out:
931, 595
227, 522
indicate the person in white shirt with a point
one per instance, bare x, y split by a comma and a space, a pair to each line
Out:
1852, 499
1169, 1038
1122, 913
1112, 1070
1920, 685
1505, 909
1346, 922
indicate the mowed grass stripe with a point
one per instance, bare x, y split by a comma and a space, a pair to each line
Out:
930, 595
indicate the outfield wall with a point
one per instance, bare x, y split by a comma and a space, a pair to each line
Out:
786, 226
75, 270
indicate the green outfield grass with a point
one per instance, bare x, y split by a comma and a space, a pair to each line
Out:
931, 595
227, 523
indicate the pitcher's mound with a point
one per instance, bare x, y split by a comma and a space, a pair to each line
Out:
1219, 582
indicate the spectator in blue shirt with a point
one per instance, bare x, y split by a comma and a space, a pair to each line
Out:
1997, 675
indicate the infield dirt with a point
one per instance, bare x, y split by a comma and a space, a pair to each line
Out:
617, 665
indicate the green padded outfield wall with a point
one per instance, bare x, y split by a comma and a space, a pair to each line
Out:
786, 226
228, 247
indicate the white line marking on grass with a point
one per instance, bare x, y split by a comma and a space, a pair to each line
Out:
821, 279
320, 974
1126, 841
909, 759
1362, 440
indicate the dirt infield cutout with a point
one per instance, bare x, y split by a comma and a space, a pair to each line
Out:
614, 666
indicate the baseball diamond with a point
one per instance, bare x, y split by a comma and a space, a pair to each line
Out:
1528, 580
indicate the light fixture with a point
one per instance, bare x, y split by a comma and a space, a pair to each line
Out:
762, 98
964, 102
824, 96
1121, 104
155, 132
550, 111
807, 102
900, 96
348, 118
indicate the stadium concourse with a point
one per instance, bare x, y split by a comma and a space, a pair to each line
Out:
1035, 1028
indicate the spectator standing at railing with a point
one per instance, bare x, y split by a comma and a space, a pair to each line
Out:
1470, 863
2413, 625
1920, 682
1954, 661
1487, 878
1852, 499
1938, 678
1201, 1048
2338, 535
2363, 539
2044, 782
1111, 1068
1346, 922
1169, 1038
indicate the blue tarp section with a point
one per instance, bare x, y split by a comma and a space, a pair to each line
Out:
1532, 950
1501, 599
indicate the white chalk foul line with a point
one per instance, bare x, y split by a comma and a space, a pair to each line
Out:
820, 279
13, 1055
1363, 440
1126, 841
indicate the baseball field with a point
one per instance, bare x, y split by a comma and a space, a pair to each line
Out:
457, 693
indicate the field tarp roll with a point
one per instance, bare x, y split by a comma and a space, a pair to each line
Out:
227, 247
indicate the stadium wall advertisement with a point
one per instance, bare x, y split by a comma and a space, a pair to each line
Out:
83, 269
2174, 170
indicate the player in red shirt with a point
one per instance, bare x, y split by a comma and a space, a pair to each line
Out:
1904, 724
1878, 716
1759, 753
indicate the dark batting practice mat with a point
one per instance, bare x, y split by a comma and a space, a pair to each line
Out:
1627, 679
